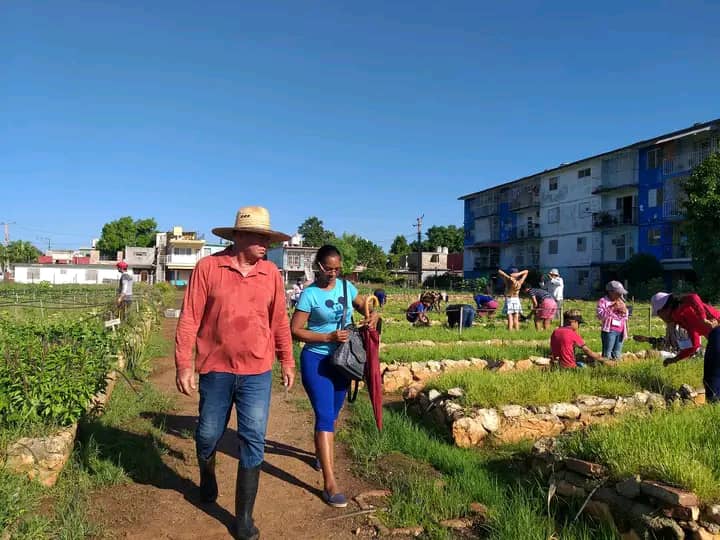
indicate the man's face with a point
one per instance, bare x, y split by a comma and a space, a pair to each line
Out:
252, 244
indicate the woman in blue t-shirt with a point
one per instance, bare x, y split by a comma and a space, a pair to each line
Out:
317, 322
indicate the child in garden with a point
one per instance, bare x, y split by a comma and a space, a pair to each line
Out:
564, 340
513, 308
613, 314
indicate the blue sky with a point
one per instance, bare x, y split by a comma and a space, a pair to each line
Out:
365, 114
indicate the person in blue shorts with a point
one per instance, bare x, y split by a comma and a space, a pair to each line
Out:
317, 322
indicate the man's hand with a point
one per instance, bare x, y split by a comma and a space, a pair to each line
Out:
288, 376
712, 324
185, 381
669, 361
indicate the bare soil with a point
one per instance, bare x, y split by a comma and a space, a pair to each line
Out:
288, 503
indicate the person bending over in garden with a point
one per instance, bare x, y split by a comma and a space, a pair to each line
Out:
381, 296
674, 340
234, 314
486, 305
416, 312
613, 314
563, 341
513, 308
698, 319
544, 306
317, 322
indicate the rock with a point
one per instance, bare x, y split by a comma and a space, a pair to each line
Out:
366, 498
417, 366
426, 343
407, 531
523, 365
455, 392
566, 489
434, 366
479, 511
412, 391
662, 527
699, 399
544, 446
464, 364
601, 512
513, 411
565, 410
668, 494
711, 527
656, 402
629, 487
585, 468
683, 513
433, 394
458, 523
423, 375
504, 366
397, 379
468, 432
594, 405
704, 534
540, 360
641, 397
617, 502
712, 513
623, 405
488, 418
630, 535
392, 367
686, 391
531, 427
478, 363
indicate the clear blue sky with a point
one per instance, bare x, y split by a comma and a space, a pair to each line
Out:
365, 114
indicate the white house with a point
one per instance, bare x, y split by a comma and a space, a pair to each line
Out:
58, 274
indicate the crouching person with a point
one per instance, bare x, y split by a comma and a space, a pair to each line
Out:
416, 312
234, 314
563, 341
460, 314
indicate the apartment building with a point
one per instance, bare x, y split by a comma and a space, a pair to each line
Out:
588, 217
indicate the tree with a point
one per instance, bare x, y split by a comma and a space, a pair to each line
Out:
369, 254
126, 232
314, 234
18, 251
348, 252
449, 236
400, 246
640, 268
703, 221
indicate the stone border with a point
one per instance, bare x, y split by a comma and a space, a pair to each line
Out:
633, 507
400, 375
43, 458
475, 426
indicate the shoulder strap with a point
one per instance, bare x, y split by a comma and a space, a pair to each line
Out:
345, 305
352, 393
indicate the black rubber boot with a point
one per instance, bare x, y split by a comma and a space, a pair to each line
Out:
246, 488
208, 482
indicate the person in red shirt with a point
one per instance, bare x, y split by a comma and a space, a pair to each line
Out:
563, 341
234, 314
698, 319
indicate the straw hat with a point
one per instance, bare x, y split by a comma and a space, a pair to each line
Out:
251, 219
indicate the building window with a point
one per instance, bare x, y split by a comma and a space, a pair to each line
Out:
63, 271
182, 251
584, 209
655, 197
91, 275
435, 258
552, 247
582, 276
583, 173
654, 158
554, 215
33, 274
653, 236
582, 243
553, 183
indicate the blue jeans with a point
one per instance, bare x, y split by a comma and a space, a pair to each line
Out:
612, 344
711, 371
251, 396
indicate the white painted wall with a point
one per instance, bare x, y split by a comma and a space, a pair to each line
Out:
66, 274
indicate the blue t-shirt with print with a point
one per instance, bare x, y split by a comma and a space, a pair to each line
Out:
325, 309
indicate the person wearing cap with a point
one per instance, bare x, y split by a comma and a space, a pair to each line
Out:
513, 283
698, 319
544, 306
124, 289
234, 314
555, 286
564, 339
613, 314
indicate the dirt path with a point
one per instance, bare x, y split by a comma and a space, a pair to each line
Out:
288, 503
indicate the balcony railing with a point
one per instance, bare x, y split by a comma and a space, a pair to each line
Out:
615, 218
674, 209
528, 232
680, 251
686, 161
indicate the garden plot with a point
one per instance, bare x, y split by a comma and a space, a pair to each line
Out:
478, 407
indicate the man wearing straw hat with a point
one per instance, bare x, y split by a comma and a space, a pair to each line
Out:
234, 313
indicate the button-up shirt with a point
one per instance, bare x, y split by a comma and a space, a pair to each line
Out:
691, 315
238, 323
611, 319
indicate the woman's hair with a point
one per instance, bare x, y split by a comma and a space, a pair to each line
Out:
326, 251
674, 301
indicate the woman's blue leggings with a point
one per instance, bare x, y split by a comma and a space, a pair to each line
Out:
325, 388
711, 372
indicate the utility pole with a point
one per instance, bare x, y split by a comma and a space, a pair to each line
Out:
7, 230
419, 254
45, 238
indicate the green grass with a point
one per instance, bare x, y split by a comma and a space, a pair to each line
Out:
678, 446
535, 387
516, 505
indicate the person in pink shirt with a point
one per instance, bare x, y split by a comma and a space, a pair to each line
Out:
613, 314
234, 314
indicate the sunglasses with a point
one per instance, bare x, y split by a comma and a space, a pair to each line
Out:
336, 271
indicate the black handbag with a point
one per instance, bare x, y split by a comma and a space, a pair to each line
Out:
349, 357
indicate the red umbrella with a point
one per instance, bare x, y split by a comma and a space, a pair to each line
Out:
373, 377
